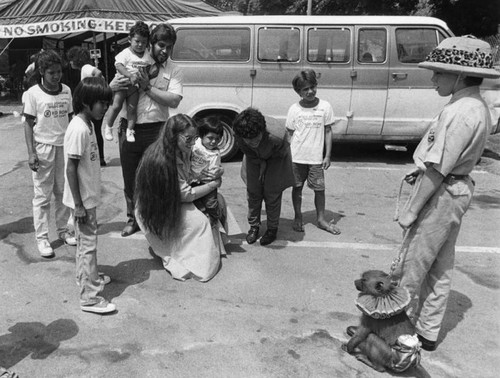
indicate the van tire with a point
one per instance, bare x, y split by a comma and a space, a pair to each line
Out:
230, 147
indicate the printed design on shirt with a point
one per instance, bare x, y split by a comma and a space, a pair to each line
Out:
94, 153
310, 121
431, 136
56, 110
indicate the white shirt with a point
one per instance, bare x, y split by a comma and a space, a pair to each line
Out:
80, 143
51, 110
308, 125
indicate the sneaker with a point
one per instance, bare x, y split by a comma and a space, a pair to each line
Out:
45, 249
68, 238
130, 135
252, 235
101, 307
108, 133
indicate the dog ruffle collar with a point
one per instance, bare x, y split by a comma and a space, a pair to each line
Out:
384, 306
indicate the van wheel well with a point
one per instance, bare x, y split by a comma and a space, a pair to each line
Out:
228, 147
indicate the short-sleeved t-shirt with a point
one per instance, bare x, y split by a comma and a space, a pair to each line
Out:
51, 111
169, 79
133, 62
308, 125
456, 138
80, 143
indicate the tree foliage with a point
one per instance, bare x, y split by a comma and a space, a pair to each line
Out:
478, 17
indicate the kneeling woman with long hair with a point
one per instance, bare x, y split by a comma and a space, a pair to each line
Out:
189, 245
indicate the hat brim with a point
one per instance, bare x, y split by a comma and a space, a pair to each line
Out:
489, 73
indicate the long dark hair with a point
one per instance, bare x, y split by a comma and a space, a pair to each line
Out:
157, 193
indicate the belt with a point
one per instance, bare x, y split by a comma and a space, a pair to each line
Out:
449, 179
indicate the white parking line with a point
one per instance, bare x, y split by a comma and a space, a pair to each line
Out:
333, 245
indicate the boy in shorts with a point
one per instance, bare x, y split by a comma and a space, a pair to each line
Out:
309, 126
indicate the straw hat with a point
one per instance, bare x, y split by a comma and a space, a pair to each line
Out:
385, 306
465, 55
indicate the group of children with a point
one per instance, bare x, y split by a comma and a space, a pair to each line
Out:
65, 159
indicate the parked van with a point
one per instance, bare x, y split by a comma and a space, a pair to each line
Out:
367, 68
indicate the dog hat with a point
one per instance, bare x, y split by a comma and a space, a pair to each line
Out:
384, 306
465, 55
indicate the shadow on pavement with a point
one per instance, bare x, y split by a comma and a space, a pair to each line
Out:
128, 273
458, 305
34, 338
21, 226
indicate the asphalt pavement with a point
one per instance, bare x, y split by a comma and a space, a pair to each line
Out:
276, 311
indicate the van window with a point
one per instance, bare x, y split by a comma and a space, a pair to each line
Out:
212, 44
279, 44
372, 45
328, 45
413, 45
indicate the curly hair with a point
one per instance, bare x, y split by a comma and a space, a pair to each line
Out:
157, 192
79, 56
249, 123
140, 28
305, 76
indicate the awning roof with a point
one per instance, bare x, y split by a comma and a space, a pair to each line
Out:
33, 18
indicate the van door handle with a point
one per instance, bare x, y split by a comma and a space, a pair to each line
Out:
253, 72
399, 75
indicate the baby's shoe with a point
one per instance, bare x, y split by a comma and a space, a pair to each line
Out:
108, 133
130, 135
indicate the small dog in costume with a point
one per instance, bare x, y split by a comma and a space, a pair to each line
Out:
385, 337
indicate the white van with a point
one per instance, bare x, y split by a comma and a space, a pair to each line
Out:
367, 68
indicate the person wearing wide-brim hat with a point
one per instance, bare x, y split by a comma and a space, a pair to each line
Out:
442, 187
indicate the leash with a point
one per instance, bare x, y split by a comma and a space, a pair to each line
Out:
399, 259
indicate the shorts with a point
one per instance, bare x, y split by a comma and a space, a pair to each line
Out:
313, 173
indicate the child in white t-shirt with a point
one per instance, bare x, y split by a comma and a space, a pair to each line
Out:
128, 63
47, 108
206, 164
82, 188
309, 125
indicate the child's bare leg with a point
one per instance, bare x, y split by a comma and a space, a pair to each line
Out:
118, 99
297, 208
319, 203
132, 101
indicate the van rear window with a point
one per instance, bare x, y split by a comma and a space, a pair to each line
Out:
329, 45
212, 44
413, 45
279, 44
